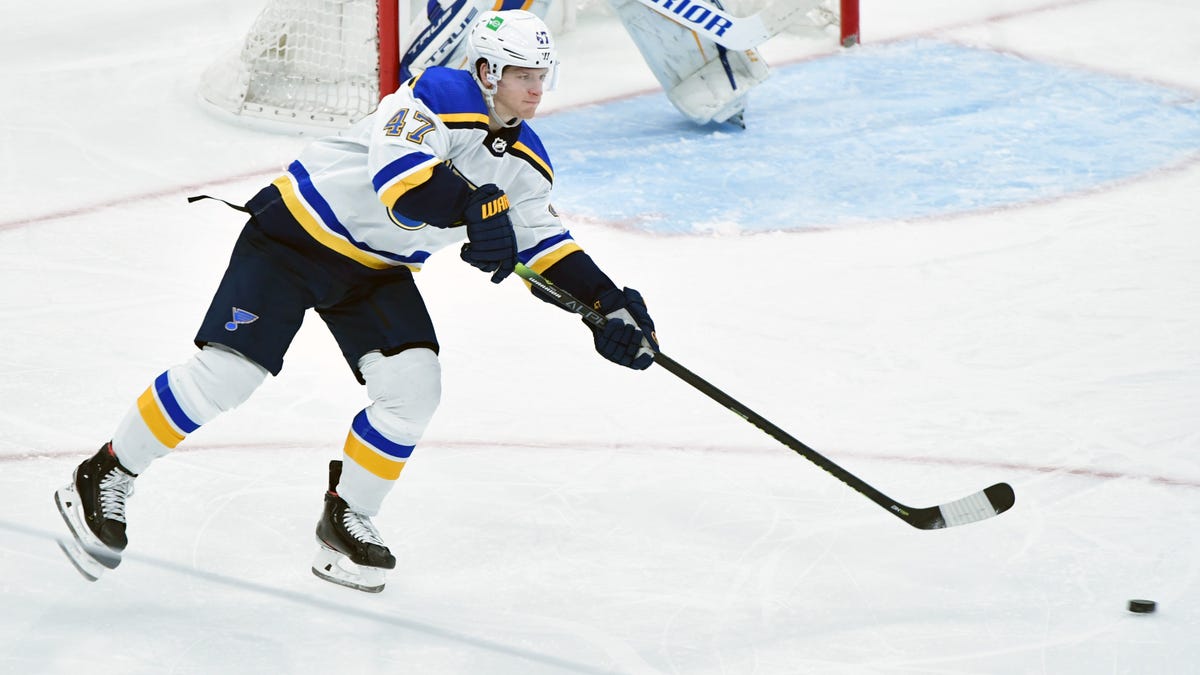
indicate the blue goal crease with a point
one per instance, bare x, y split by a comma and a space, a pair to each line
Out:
891, 132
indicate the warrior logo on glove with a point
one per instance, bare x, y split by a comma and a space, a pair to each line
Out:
494, 207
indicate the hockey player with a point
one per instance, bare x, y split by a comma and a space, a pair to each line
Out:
447, 157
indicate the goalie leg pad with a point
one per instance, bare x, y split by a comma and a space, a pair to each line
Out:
439, 33
717, 92
704, 81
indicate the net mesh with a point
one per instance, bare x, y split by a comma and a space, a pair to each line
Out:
304, 62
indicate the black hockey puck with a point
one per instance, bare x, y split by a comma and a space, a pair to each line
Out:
1142, 606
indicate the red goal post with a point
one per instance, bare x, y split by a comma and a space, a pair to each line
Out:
848, 22
320, 65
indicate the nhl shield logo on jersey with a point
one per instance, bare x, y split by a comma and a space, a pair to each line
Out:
499, 146
240, 317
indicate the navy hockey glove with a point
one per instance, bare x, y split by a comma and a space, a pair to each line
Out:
492, 246
628, 337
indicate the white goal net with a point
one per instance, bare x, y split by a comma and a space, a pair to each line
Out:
304, 63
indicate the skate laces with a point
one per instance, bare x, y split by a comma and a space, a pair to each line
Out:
115, 489
361, 528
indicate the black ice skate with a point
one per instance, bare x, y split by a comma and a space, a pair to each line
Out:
93, 506
351, 551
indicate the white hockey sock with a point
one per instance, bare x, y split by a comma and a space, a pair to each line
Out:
180, 400
406, 389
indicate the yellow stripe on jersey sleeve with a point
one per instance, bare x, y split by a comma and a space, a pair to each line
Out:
397, 189
543, 261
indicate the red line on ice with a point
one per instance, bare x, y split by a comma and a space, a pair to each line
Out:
1093, 473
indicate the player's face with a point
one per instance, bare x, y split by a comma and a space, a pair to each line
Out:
519, 92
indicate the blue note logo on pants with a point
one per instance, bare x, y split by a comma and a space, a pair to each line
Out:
240, 316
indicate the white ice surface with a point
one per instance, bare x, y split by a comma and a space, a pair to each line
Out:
567, 516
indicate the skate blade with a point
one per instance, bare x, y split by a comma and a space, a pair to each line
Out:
83, 563
84, 542
335, 567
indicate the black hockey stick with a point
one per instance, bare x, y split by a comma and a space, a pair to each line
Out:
983, 504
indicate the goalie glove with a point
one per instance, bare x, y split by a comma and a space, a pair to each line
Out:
492, 245
628, 338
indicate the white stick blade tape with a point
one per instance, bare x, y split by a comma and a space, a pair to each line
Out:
967, 510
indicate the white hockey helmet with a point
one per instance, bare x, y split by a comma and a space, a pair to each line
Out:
511, 38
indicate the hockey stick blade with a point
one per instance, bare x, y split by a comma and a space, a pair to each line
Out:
979, 506
729, 31
984, 504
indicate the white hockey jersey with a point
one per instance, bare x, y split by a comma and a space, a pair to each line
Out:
341, 188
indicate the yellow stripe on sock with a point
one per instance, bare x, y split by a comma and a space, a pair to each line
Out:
156, 420
370, 460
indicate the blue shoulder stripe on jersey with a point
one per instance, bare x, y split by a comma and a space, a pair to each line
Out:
399, 166
162, 386
314, 199
448, 91
362, 427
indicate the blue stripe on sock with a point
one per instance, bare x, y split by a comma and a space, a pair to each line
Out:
376, 440
165, 396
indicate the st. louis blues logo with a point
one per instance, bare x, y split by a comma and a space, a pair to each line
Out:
240, 316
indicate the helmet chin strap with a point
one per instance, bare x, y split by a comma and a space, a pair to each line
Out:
507, 124
489, 94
